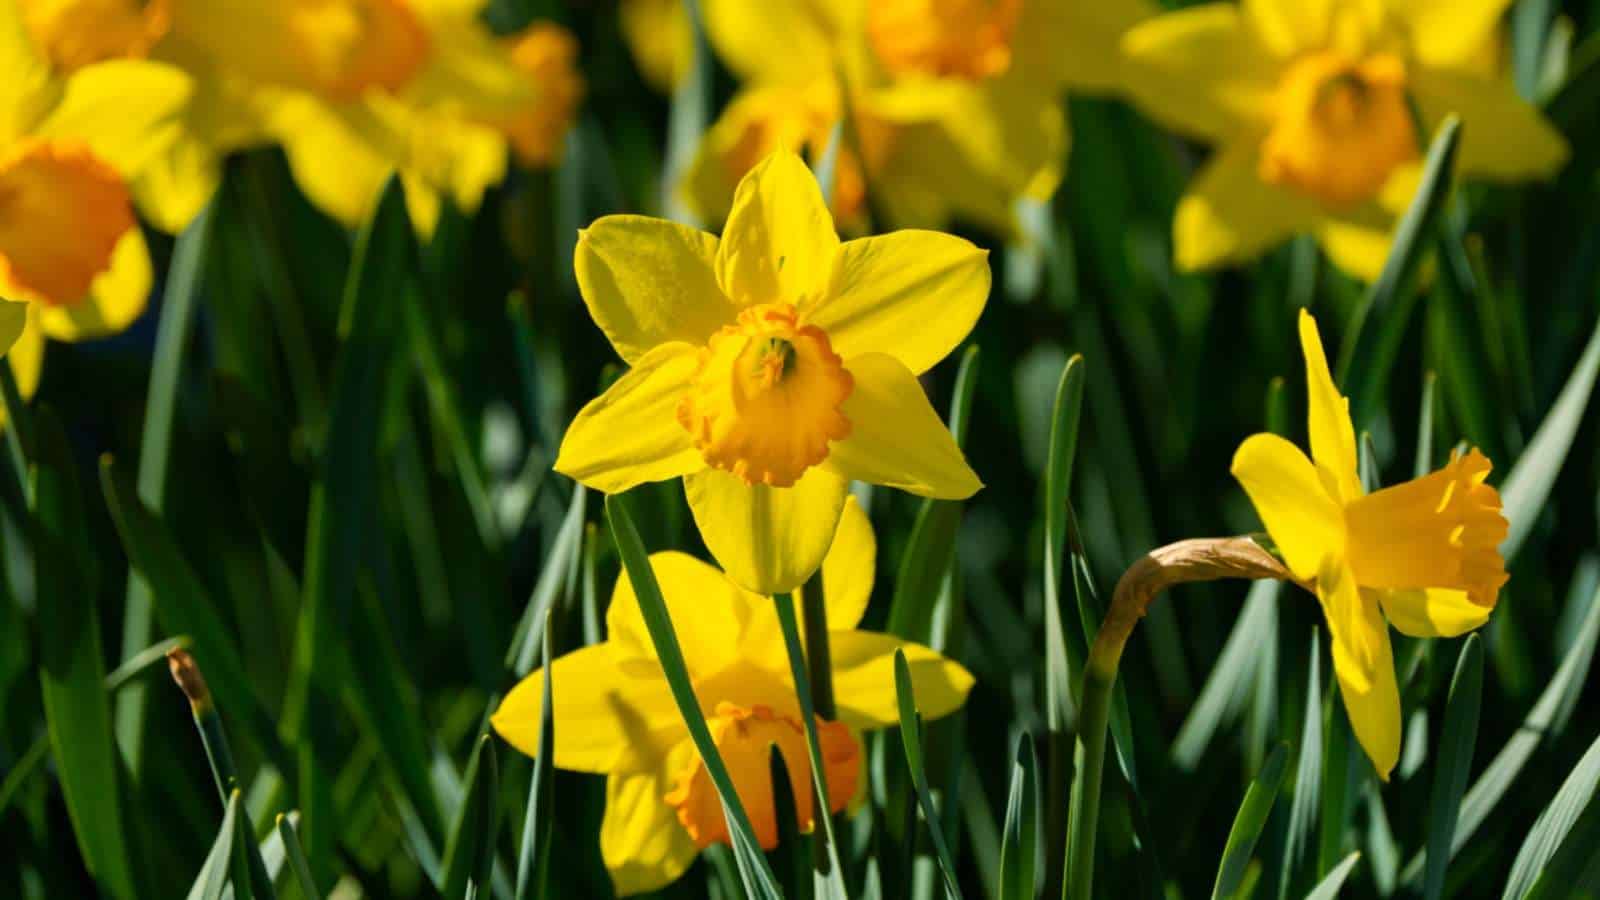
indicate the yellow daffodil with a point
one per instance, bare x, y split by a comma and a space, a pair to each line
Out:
956, 104
74, 33
70, 247
357, 89
1310, 106
1422, 555
614, 714
771, 367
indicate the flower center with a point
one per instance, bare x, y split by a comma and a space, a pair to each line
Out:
548, 54
1439, 531
765, 400
75, 33
744, 738
351, 46
62, 211
948, 38
1341, 127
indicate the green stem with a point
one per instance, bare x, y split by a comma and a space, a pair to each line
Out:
1205, 559
17, 433
814, 607
1093, 715
826, 857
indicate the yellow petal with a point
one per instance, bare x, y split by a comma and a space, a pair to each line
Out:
1289, 26
1502, 136
172, 188
781, 41
913, 295
13, 319
1201, 70
1229, 215
28, 88
850, 567
127, 111
779, 243
644, 847
1303, 519
1333, 437
630, 434
1357, 248
340, 170
1364, 663
606, 720
896, 439
768, 539
649, 281
26, 355
1432, 612
863, 679
116, 298
1450, 33
708, 612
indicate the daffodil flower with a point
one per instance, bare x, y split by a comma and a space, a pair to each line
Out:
70, 247
614, 714
1423, 555
771, 367
956, 105
1309, 104
355, 90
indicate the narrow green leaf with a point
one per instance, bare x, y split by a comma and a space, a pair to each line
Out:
1343, 767
1226, 690
1554, 824
1527, 487
526, 641
911, 738
1380, 322
240, 878
789, 859
469, 854
757, 874
1574, 871
1019, 844
830, 872
1328, 887
1456, 743
687, 121
1057, 492
344, 499
71, 661
931, 549
178, 305
297, 857
214, 874
1308, 772
533, 862
1424, 460
184, 605
135, 665
1248, 823
1546, 719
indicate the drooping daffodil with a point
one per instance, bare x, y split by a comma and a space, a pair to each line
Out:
73, 262
614, 714
772, 366
1310, 104
1422, 556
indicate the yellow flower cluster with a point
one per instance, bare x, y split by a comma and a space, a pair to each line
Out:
111, 105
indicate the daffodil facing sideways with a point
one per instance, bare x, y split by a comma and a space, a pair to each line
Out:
1309, 104
771, 367
73, 263
1422, 556
614, 713
954, 106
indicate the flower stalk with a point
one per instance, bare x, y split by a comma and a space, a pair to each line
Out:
1199, 559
